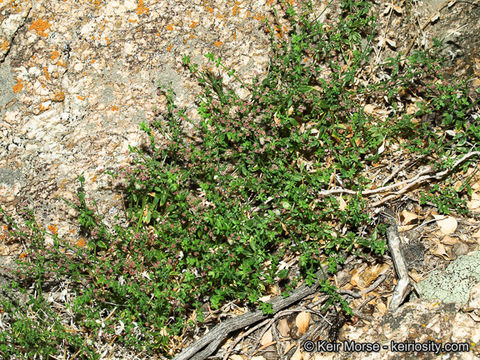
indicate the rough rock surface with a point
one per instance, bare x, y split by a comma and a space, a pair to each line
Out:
420, 322
77, 79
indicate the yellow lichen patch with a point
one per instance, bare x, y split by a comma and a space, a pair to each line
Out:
209, 9
55, 55
193, 25
18, 86
40, 26
236, 10
4, 45
59, 97
169, 47
218, 43
169, 27
115, 108
80, 97
141, 9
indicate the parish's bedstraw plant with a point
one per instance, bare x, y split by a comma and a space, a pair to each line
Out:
210, 222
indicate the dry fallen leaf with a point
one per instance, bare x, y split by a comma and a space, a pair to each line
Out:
441, 251
267, 337
415, 276
4, 250
303, 321
408, 217
265, 298
369, 109
355, 280
276, 119
343, 204
283, 328
412, 109
448, 240
447, 225
382, 308
381, 149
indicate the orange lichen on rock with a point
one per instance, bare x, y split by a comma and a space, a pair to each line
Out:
43, 108
4, 45
236, 10
259, 17
40, 26
18, 86
47, 75
169, 27
59, 97
81, 243
55, 55
53, 229
141, 9
218, 43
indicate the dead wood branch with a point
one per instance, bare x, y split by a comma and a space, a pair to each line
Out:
403, 288
407, 184
209, 343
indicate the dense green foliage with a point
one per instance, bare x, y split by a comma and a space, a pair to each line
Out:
210, 221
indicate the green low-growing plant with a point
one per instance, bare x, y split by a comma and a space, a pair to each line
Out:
211, 221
